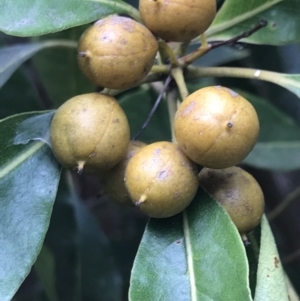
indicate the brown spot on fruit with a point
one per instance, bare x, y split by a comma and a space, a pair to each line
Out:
243, 200
105, 52
276, 262
82, 134
157, 180
222, 129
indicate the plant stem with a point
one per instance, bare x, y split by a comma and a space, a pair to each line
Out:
167, 51
161, 69
205, 47
261, 24
172, 108
273, 77
188, 59
177, 74
172, 100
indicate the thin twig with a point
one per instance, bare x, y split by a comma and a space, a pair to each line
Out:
172, 108
190, 58
177, 74
246, 34
283, 204
165, 49
153, 110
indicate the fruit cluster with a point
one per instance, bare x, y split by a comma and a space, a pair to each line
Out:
214, 127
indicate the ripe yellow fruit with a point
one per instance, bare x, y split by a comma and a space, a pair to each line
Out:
90, 131
161, 180
216, 127
112, 182
238, 192
116, 52
178, 20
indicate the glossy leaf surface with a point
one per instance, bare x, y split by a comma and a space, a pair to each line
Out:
29, 177
278, 145
23, 18
282, 156
271, 285
235, 18
12, 57
15, 101
184, 257
58, 67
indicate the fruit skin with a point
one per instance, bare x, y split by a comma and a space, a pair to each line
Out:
177, 20
161, 180
116, 52
112, 182
238, 192
216, 127
90, 131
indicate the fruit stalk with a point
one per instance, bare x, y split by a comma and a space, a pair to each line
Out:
172, 108
177, 74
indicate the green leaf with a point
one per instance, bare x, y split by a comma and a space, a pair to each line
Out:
12, 57
289, 81
36, 127
23, 99
99, 277
85, 266
278, 146
62, 242
221, 56
29, 176
271, 284
23, 18
281, 156
236, 17
58, 68
137, 104
196, 255
275, 125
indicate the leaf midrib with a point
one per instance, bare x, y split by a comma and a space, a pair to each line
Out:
189, 251
21, 158
222, 26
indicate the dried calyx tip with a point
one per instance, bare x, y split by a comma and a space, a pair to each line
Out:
141, 200
245, 240
79, 167
82, 53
